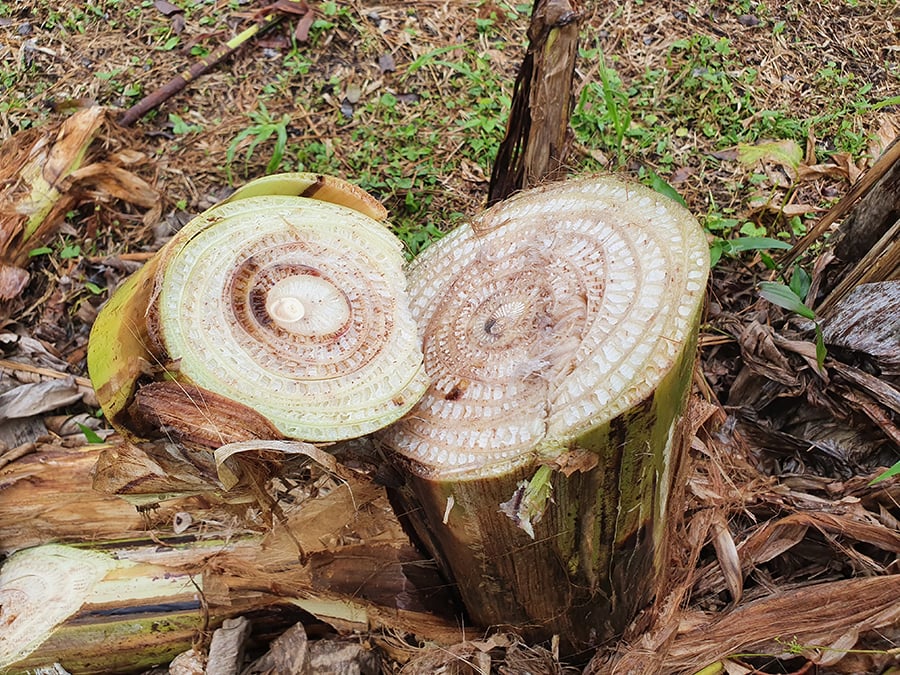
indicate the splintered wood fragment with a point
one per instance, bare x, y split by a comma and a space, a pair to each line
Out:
867, 321
536, 141
288, 653
559, 332
47, 497
885, 171
879, 262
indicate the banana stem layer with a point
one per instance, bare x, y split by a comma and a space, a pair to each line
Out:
559, 332
288, 299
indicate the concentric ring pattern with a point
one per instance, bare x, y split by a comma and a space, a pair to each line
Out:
298, 309
552, 313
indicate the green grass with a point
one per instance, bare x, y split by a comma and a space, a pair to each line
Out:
442, 114
265, 131
705, 98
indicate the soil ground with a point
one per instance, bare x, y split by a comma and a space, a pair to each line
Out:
409, 100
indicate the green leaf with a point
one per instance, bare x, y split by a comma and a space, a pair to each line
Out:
280, 144
715, 223
70, 251
893, 100
94, 288
800, 282
786, 153
232, 149
720, 247
781, 295
663, 188
43, 250
753, 230
89, 434
715, 252
821, 350
893, 471
179, 126
742, 244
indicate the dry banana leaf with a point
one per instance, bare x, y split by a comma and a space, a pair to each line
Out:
46, 172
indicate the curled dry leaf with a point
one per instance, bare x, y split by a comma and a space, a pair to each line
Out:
150, 472
47, 171
229, 478
38, 397
729, 561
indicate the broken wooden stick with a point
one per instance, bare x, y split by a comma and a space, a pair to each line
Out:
273, 14
536, 139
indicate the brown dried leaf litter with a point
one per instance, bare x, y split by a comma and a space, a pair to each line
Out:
47, 172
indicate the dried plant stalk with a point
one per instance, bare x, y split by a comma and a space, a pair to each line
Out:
537, 138
153, 584
67, 605
559, 332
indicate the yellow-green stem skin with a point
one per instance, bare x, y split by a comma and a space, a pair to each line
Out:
130, 645
119, 346
597, 553
126, 608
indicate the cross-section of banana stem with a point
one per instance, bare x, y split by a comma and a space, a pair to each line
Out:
281, 313
94, 612
559, 332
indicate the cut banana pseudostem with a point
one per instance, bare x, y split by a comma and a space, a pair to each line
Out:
288, 301
558, 332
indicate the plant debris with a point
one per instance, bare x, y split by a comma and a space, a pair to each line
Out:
785, 558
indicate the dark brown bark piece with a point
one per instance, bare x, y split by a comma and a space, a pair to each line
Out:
535, 145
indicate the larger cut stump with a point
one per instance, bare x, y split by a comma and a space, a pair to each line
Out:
559, 335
